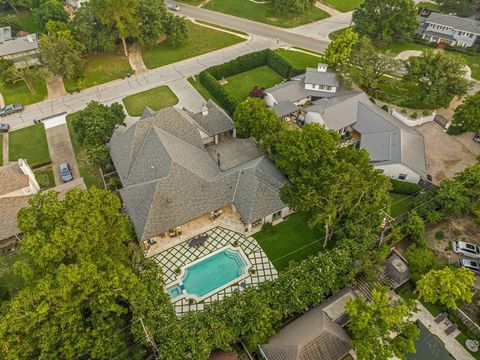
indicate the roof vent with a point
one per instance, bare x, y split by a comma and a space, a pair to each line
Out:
322, 67
204, 110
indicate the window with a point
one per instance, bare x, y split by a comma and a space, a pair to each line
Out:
276, 215
402, 176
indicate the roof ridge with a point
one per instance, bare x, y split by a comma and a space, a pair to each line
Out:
139, 151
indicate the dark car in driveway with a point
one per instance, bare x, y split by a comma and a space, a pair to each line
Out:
11, 109
4, 128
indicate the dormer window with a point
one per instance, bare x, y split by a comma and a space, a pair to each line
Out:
322, 67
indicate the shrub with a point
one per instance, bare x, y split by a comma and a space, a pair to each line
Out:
223, 97
433, 217
385, 107
414, 115
426, 112
421, 260
403, 187
257, 92
403, 111
455, 130
440, 235
278, 64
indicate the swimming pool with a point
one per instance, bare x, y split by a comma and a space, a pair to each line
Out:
428, 346
210, 274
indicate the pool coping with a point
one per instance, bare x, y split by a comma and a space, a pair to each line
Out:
183, 268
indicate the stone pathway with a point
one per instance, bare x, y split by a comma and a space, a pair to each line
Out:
2, 102
55, 87
327, 8
136, 60
5, 149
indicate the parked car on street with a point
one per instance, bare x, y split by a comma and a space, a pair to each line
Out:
473, 265
4, 128
66, 172
467, 249
476, 138
11, 109
173, 7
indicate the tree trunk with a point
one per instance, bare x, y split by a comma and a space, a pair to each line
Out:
30, 87
327, 235
13, 7
125, 47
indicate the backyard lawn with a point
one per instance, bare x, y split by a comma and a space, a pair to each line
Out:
157, 98
299, 60
239, 85
19, 93
91, 174
279, 241
344, 5
264, 13
27, 22
29, 143
45, 178
428, 5
400, 204
200, 40
101, 68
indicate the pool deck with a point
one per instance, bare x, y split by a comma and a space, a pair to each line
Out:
183, 254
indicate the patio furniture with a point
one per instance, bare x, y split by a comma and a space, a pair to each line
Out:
441, 317
472, 345
198, 241
243, 284
451, 329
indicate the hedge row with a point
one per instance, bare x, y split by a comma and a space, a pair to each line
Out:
403, 187
209, 77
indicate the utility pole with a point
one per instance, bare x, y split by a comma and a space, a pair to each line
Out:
383, 227
151, 340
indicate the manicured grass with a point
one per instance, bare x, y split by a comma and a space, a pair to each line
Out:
264, 13
239, 85
461, 338
192, 2
401, 93
45, 178
157, 98
334, 34
1, 149
91, 174
29, 143
101, 68
280, 241
344, 5
221, 27
428, 5
299, 60
200, 40
473, 60
27, 22
400, 203
199, 87
19, 93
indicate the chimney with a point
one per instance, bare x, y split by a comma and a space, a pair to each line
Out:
204, 110
322, 67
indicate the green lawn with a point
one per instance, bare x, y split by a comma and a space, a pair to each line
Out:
91, 174
400, 204
334, 34
293, 234
199, 87
29, 143
299, 60
344, 5
1, 149
428, 5
19, 93
403, 94
200, 40
192, 2
461, 338
157, 98
239, 85
101, 68
222, 27
45, 178
264, 13
27, 23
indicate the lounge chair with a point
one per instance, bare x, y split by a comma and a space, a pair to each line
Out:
441, 317
451, 329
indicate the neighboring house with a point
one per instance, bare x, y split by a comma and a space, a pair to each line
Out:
338, 113
23, 50
169, 178
317, 83
76, 3
17, 185
315, 335
395, 149
449, 29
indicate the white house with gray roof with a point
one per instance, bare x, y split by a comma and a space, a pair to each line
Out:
23, 50
169, 178
449, 29
395, 149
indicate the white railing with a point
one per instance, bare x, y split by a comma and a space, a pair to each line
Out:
413, 122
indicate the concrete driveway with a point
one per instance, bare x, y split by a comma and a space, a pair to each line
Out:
61, 150
446, 154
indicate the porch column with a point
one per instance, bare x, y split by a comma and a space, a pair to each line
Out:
249, 227
216, 139
235, 133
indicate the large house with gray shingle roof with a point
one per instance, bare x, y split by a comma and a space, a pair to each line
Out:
22, 51
169, 178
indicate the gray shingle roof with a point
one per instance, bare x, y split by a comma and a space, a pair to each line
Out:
285, 108
19, 45
455, 22
337, 112
216, 121
12, 178
313, 76
310, 337
294, 90
388, 140
170, 179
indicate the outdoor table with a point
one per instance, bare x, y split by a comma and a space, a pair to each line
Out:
472, 345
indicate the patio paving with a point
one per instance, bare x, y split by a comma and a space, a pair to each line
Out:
218, 237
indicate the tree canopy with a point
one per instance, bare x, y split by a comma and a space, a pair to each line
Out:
339, 50
467, 114
50, 10
447, 286
421, 259
381, 329
459, 7
386, 20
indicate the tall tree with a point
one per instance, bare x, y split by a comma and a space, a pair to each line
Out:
467, 114
386, 20
339, 50
382, 329
176, 29
61, 53
414, 227
421, 259
16, 4
369, 66
458, 7
447, 286
24, 73
151, 14
454, 197
120, 17
12, 21
50, 10
439, 75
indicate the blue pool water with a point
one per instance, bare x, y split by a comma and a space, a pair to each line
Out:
174, 291
428, 346
214, 272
